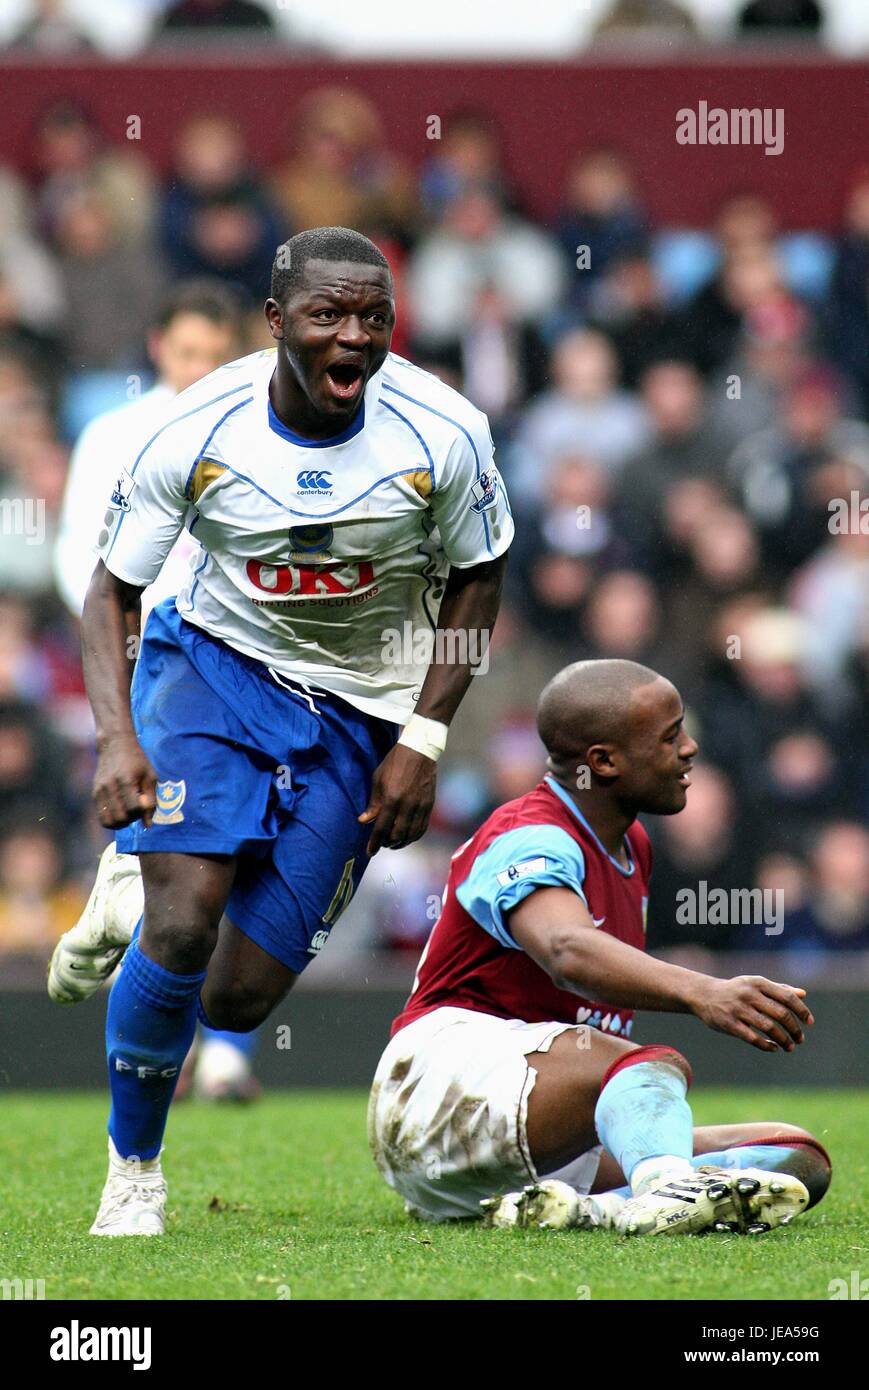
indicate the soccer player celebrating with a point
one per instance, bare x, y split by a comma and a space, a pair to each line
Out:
509, 1067
339, 494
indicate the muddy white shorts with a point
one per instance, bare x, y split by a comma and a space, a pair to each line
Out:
448, 1109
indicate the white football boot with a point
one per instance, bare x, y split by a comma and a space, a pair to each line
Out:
552, 1205
86, 955
134, 1198
747, 1201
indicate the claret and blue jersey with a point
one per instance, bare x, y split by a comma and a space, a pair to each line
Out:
541, 839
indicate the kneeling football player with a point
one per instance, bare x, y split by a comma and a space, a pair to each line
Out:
509, 1088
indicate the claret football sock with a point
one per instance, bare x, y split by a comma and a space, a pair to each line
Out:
149, 1028
642, 1116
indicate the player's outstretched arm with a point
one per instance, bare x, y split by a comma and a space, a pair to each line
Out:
125, 783
556, 929
403, 789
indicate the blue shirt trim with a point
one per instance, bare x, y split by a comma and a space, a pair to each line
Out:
569, 802
450, 421
431, 467
356, 424
169, 423
204, 450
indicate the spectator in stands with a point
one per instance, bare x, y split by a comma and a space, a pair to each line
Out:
833, 915
36, 905
342, 172
788, 19
515, 757
33, 766
498, 361
601, 220
31, 508
74, 157
748, 290
205, 18
705, 843
623, 619
478, 248
566, 542
111, 292
831, 593
468, 154
747, 394
759, 719
787, 475
664, 19
50, 31
31, 290
584, 411
721, 558
217, 218
21, 398
848, 326
627, 303
682, 446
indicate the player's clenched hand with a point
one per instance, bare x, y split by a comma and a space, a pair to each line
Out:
125, 784
770, 1016
402, 796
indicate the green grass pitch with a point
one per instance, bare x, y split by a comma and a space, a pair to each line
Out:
281, 1200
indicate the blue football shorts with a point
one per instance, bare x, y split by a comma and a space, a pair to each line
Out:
265, 771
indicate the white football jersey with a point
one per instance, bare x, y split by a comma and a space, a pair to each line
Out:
325, 560
102, 448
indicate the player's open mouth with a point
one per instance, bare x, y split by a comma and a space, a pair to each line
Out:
345, 380
684, 778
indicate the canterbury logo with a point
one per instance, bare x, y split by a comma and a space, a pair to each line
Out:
318, 480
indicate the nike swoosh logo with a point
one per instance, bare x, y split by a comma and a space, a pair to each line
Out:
598, 921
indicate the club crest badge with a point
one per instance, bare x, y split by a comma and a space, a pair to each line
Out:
170, 799
310, 543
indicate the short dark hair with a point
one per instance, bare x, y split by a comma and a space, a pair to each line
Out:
210, 298
320, 244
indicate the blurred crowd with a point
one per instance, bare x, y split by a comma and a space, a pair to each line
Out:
55, 28
680, 417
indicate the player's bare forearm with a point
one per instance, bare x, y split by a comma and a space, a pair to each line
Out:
466, 618
599, 966
124, 783
111, 615
555, 928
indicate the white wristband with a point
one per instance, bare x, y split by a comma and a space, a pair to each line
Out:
426, 736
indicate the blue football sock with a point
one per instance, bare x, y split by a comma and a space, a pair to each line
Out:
642, 1113
245, 1043
150, 1024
